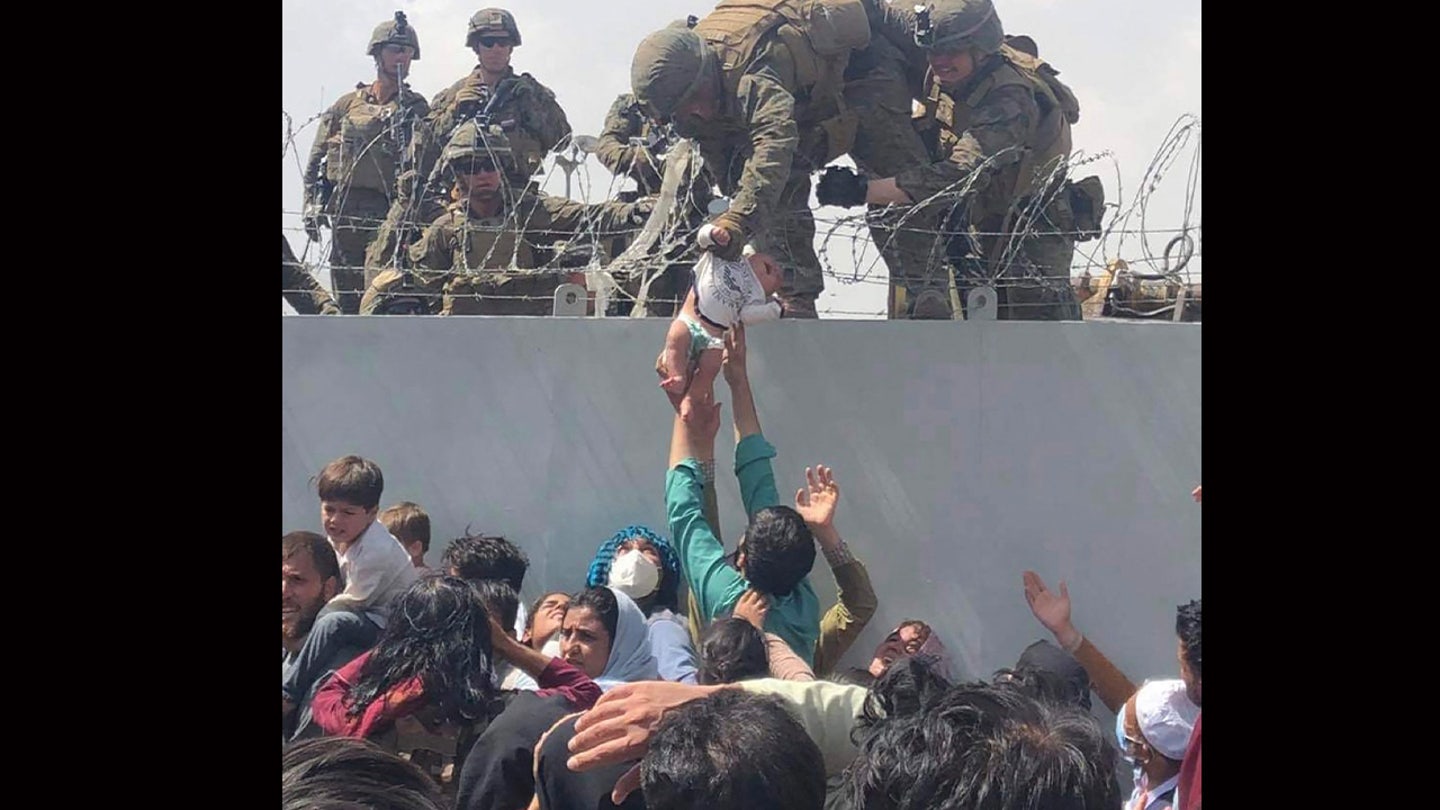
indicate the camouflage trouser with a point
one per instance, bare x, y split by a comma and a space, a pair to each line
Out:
1031, 275
886, 144
792, 241
355, 217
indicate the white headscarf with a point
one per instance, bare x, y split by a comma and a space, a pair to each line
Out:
630, 656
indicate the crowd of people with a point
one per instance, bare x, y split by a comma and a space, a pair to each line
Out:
677, 673
432, 207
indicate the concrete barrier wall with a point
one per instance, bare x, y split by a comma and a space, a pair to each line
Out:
965, 451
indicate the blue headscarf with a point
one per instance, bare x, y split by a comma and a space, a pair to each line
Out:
667, 595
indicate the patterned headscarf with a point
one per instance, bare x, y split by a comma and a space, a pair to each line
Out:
667, 595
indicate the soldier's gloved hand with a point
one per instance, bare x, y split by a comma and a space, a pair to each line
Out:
841, 186
314, 219
725, 236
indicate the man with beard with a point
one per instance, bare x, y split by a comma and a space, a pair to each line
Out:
309, 577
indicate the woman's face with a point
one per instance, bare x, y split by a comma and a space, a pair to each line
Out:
584, 644
644, 547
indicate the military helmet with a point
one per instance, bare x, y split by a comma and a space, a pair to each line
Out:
669, 66
394, 32
472, 141
491, 21
951, 25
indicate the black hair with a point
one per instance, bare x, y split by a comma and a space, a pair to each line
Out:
535, 607
853, 676
979, 746
779, 550
603, 602
731, 650
906, 687
1047, 673
341, 773
1187, 628
439, 631
732, 751
482, 556
500, 601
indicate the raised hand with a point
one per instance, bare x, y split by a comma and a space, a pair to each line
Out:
817, 499
733, 360
1051, 609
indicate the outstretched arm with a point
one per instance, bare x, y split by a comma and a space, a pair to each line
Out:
855, 603
747, 421
1053, 611
753, 470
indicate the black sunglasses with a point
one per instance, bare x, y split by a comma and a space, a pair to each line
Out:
492, 42
476, 166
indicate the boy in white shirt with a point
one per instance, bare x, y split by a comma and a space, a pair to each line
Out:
373, 565
724, 294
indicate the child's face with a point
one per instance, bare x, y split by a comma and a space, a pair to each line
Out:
344, 522
767, 270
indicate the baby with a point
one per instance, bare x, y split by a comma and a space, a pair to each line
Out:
725, 293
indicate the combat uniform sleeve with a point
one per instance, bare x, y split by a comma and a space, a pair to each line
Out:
329, 128
436, 249
768, 111
569, 219
301, 289
1004, 121
542, 116
616, 153
897, 25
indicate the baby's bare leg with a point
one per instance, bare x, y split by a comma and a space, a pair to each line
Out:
702, 383
673, 364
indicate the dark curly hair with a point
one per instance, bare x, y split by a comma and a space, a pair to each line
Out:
439, 631
779, 550
732, 650
484, 556
978, 746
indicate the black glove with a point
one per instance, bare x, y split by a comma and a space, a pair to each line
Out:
841, 186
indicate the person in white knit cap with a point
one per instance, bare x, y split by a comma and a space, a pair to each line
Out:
1153, 731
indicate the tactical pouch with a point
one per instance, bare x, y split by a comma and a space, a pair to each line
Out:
1087, 200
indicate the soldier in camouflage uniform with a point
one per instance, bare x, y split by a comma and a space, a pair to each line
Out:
995, 117
300, 288
350, 176
630, 145
474, 258
761, 89
524, 108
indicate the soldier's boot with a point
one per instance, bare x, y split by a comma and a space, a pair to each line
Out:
799, 305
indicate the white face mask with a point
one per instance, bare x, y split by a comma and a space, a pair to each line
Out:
634, 574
